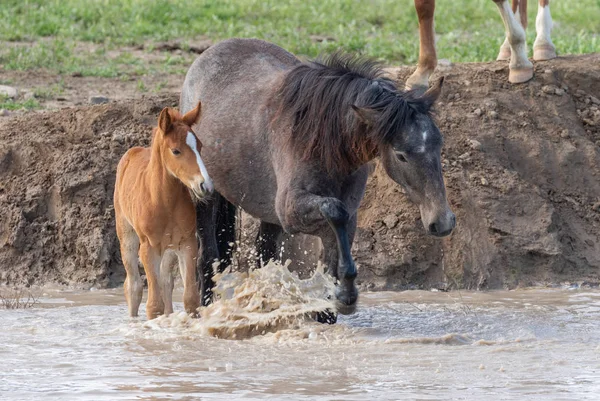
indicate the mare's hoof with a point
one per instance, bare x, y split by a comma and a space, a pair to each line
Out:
345, 309
326, 317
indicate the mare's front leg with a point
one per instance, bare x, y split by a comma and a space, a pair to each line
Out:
311, 214
151, 259
427, 55
187, 267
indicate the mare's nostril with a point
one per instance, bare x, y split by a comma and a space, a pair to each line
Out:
453, 220
433, 228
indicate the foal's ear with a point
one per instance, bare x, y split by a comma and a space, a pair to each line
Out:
432, 93
192, 116
366, 115
164, 120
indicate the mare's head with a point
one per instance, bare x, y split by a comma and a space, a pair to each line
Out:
180, 149
344, 113
410, 146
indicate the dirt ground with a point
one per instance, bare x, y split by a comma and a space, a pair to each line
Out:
521, 166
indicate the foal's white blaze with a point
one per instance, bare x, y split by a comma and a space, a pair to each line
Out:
543, 26
191, 142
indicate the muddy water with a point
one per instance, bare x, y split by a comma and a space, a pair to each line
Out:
415, 345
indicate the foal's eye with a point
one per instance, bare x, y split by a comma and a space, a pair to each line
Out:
176, 152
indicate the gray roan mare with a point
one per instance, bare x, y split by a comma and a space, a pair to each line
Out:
289, 142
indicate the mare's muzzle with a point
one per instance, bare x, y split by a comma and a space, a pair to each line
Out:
442, 225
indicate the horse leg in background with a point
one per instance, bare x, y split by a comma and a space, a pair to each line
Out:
187, 267
167, 265
130, 245
427, 55
519, 8
521, 69
266, 242
151, 260
543, 48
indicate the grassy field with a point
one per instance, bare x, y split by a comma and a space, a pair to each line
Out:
82, 36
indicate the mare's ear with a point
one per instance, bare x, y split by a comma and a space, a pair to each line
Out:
366, 115
432, 94
164, 120
192, 116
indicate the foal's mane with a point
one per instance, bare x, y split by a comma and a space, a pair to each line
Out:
319, 97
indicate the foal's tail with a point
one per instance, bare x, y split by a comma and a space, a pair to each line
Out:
225, 230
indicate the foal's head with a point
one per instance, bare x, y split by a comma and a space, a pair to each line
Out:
180, 149
411, 150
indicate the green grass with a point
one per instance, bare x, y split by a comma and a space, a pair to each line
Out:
469, 30
10, 104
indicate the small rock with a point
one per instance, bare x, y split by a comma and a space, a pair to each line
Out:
29, 95
548, 71
4, 113
580, 93
391, 220
559, 92
549, 89
98, 99
493, 114
467, 83
478, 112
464, 156
475, 145
596, 206
595, 100
565, 134
118, 138
8, 91
484, 182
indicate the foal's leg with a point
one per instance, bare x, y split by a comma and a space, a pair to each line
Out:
521, 69
187, 266
130, 245
519, 7
266, 242
543, 48
151, 260
166, 279
427, 56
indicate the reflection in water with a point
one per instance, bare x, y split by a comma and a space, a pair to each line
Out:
508, 345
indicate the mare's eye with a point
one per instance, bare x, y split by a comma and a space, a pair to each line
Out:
176, 152
401, 157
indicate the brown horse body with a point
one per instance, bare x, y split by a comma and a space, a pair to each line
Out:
513, 48
156, 215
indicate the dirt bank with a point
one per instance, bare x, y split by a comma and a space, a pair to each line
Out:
521, 167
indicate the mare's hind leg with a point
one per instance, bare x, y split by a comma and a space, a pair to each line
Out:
521, 69
167, 265
130, 245
266, 242
427, 55
215, 222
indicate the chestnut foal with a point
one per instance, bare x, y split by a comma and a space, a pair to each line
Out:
513, 48
156, 213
